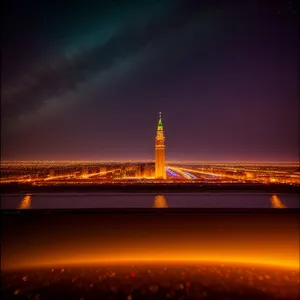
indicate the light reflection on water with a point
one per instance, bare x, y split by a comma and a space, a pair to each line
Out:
148, 200
26, 202
160, 202
276, 202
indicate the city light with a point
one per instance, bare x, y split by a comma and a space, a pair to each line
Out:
159, 171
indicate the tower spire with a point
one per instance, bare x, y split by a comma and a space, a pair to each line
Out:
160, 125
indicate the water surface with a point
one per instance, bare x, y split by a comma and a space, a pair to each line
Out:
145, 200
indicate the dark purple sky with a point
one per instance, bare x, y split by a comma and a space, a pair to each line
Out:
86, 81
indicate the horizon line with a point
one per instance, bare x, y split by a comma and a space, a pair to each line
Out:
288, 265
151, 160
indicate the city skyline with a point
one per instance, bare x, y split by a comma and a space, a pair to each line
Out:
85, 81
229, 162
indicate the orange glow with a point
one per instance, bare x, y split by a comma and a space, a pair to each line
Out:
276, 202
160, 202
60, 240
26, 202
172, 259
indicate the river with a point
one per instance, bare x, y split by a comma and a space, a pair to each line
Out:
148, 200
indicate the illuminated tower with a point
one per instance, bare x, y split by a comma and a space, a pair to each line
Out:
160, 168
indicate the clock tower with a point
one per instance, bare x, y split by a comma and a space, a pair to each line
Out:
160, 156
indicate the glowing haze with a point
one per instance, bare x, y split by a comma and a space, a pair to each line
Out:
62, 239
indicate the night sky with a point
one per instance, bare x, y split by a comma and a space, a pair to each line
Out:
86, 81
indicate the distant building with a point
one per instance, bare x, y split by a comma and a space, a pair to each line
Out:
117, 173
160, 159
102, 170
149, 171
249, 174
152, 173
140, 171
51, 173
130, 171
